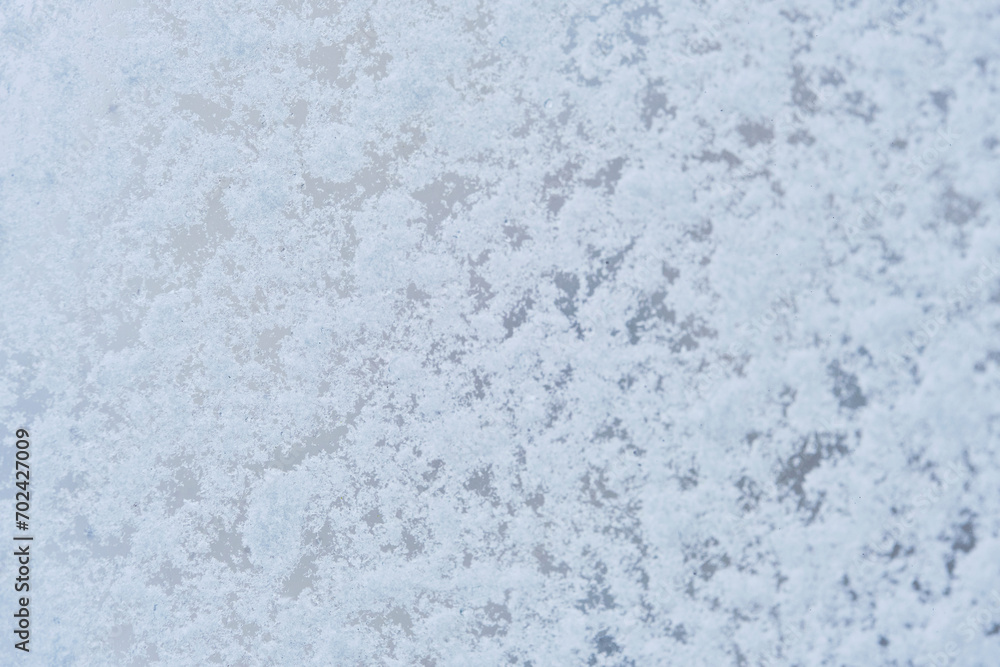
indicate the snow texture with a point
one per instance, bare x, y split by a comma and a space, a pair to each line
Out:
546, 333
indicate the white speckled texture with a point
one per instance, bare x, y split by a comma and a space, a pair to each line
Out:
511, 333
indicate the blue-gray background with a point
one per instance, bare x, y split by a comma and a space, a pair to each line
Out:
418, 333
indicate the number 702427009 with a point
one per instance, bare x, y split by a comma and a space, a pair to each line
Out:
23, 476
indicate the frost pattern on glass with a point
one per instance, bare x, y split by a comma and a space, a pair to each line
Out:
558, 333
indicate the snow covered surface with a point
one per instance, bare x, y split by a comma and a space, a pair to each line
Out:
504, 333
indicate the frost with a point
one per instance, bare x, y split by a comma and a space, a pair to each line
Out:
611, 333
